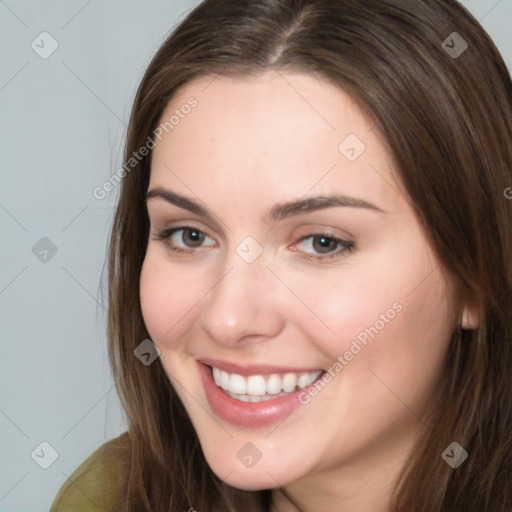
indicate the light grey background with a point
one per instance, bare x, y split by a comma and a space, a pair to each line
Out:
62, 126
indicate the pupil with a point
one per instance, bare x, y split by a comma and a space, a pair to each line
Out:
194, 236
325, 244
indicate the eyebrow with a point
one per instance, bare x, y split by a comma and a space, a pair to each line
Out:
276, 213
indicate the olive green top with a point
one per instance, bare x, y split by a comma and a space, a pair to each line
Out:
97, 484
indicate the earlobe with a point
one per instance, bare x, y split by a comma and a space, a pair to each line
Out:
469, 318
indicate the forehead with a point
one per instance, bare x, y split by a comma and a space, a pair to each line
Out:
274, 136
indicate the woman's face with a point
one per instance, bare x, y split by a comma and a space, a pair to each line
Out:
347, 286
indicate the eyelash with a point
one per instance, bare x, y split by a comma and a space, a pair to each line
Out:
347, 246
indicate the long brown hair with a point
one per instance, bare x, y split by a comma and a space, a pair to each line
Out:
447, 121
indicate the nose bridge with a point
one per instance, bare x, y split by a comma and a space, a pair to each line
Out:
242, 299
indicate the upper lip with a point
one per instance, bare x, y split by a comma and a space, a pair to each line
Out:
253, 369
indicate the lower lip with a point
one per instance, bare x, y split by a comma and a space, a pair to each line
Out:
247, 414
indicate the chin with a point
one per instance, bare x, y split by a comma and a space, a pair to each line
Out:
249, 481
262, 475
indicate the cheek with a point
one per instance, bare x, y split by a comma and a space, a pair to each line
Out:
167, 301
343, 303
394, 303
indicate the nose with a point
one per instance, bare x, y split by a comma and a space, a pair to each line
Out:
243, 304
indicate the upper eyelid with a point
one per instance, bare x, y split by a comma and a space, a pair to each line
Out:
181, 225
173, 229
331, 232
328, 231
308, 233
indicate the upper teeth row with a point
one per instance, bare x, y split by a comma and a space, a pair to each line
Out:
261, 385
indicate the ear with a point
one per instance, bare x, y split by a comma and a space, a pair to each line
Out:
469, 318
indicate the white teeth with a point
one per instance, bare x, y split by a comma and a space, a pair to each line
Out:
256, 388
256, 385
289, 382
274, 384
237, 384
216, 375
306, 380
224, 380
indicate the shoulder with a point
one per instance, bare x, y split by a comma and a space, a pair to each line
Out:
97, 484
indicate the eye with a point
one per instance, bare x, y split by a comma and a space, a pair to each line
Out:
189, 237
325, 245
189, 240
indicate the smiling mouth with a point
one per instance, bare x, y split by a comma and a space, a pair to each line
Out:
260, 388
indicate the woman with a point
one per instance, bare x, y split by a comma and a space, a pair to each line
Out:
310, 266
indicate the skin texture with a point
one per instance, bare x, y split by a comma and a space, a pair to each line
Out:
249, 144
